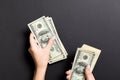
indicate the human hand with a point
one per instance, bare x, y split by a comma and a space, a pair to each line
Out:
88, 74
40, 55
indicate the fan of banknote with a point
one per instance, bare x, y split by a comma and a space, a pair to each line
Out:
43, 29
86, 55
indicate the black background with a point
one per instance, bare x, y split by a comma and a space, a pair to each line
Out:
94, 22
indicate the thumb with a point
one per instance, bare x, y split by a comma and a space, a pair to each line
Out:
50, 43
88, 74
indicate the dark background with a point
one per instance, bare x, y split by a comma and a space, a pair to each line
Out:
94, 22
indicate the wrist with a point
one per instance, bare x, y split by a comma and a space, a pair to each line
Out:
39, 73
43, 68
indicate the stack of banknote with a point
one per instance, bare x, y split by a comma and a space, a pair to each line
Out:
86, 55
43, 29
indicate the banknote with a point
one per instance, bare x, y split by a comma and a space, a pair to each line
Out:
97, 54
52, 26
58, 58
41, 28
54, 31
86, 55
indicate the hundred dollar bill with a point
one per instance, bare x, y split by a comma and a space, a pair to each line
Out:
43, 32
54, 31
52, 26
97, 53
85, 55
58, 58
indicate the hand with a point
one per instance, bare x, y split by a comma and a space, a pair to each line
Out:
88, 74
40, 55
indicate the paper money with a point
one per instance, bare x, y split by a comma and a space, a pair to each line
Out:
52, 26
43, 29
86, 55
97, 53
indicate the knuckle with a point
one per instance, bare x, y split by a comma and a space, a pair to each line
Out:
30, 49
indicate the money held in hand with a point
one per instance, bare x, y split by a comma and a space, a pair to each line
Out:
86, 55
43, 29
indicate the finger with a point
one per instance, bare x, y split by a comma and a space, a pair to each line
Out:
68, 72
32, 40
88, 74
50, 43
68, 77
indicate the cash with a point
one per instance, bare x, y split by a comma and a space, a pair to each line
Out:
43, 29
86, 55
